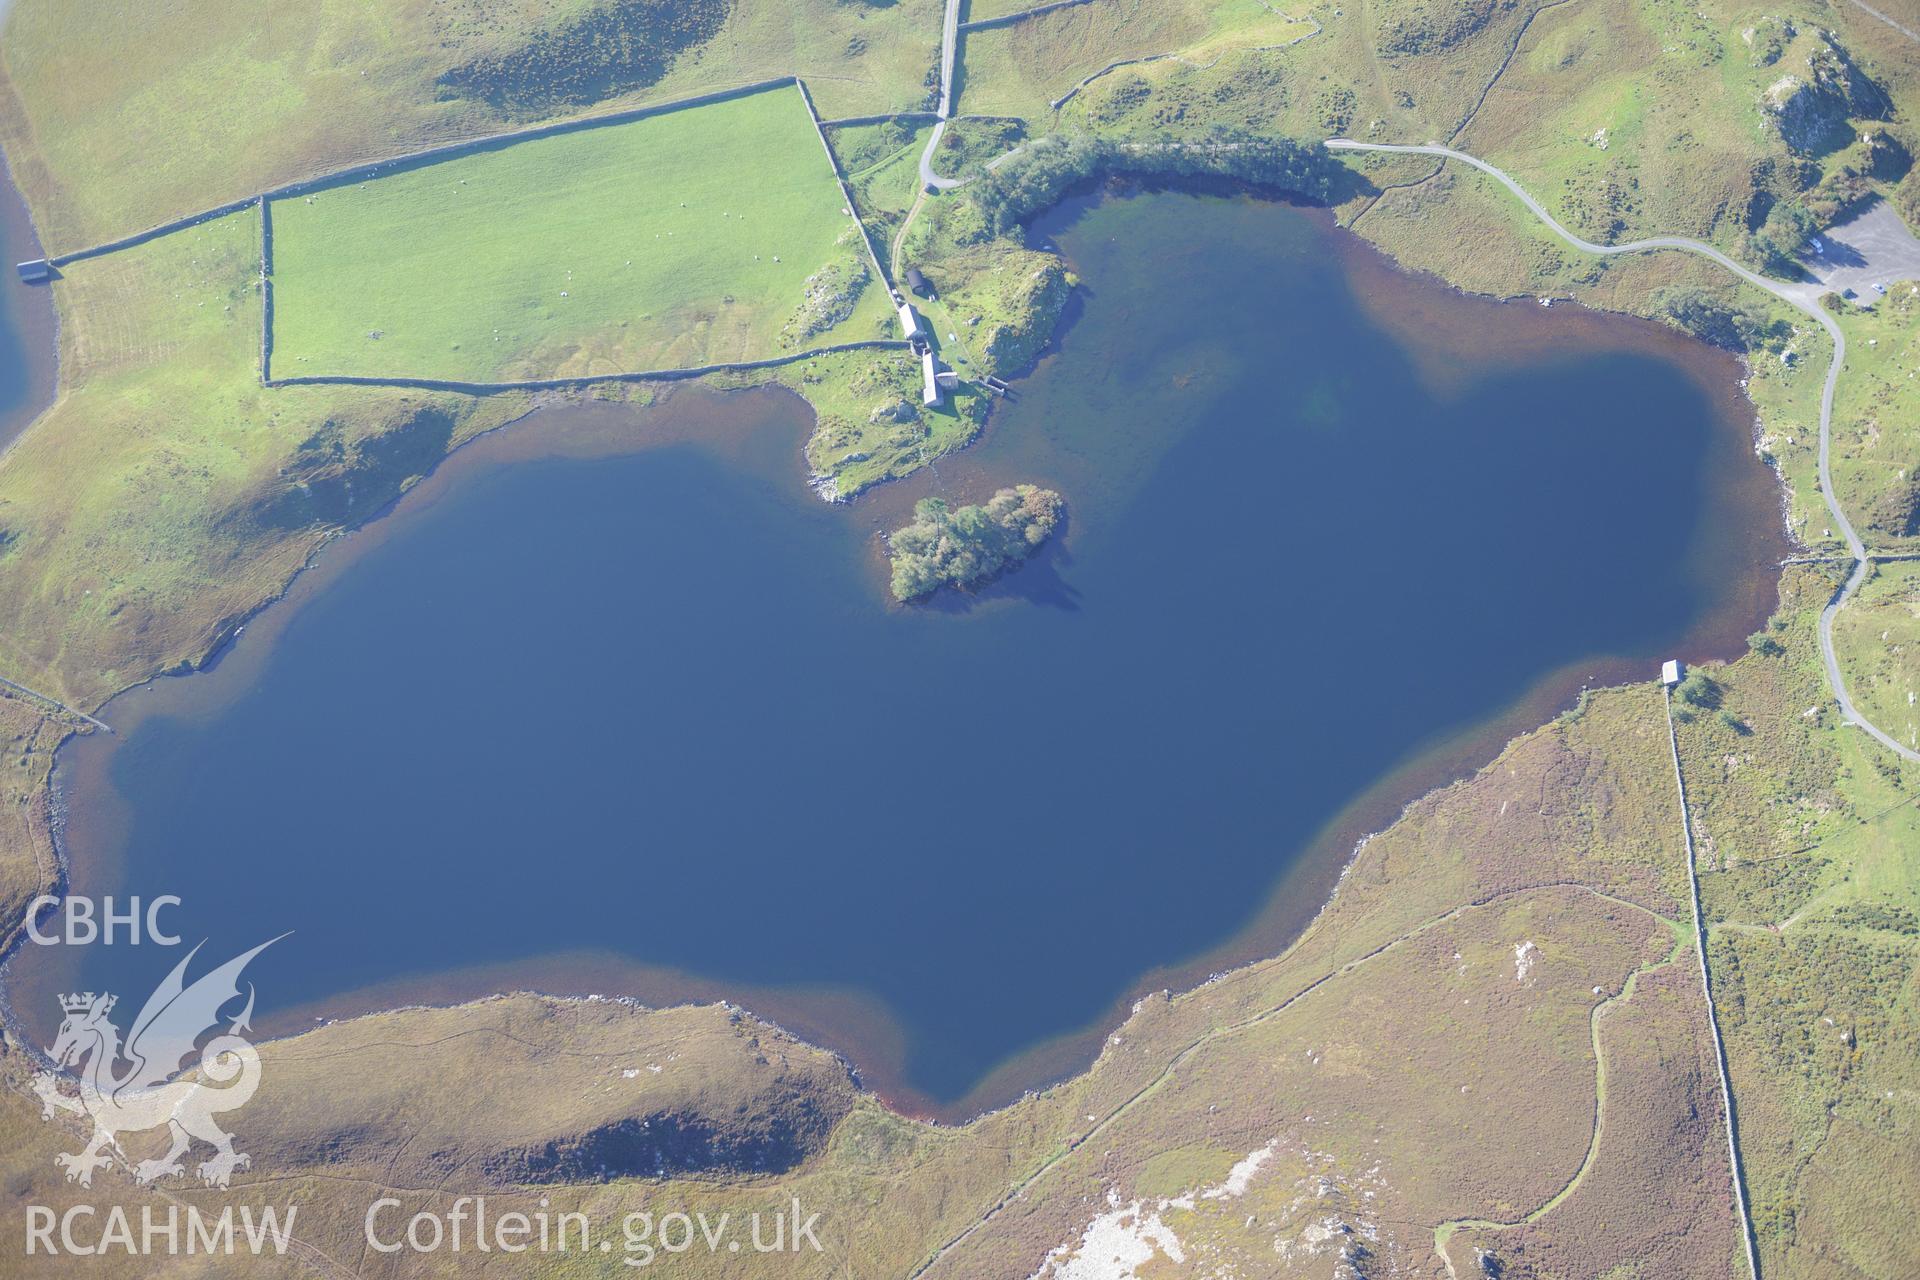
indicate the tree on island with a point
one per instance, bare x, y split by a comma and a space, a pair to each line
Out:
948, 546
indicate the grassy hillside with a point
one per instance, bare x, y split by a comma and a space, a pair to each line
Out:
1501, 961
1877, 432
1878, 637
166, 494
710, 234
860, 57
124, 115
1018, 69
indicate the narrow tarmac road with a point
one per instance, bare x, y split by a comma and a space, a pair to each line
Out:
949, 42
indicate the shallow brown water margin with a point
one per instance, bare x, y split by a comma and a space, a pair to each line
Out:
847, 1022
1442, 327
1450, 324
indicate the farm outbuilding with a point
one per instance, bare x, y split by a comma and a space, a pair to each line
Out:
910, 325
918, 283
931, 392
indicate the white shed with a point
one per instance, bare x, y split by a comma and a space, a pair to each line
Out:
1671, 671
910, 322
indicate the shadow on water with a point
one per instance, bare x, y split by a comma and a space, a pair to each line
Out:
611, 704
1042, 581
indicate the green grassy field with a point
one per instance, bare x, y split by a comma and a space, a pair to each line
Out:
685, 239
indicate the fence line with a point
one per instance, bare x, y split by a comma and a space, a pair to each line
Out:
266, 199
37, 696
584, 380
446, 151
1179, 56
850, 122
428, 155
1735, 1168
840, 179
266, 292
1007, 19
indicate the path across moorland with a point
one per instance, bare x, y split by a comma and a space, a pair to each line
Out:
1804, 297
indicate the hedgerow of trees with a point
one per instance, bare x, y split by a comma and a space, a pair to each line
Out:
1048, 168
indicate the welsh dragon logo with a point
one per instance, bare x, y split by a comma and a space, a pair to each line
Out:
143, 1095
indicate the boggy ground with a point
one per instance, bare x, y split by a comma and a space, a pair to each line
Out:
1307, 1111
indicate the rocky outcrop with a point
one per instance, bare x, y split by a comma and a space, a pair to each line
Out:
1767, 40
828, 298
1818, 94
780, 1131
1032, 302
345, 472
1895, 509
893, 411
1433, 26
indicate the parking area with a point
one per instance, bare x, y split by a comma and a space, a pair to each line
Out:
1874, 248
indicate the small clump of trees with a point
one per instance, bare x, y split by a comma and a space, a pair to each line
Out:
1725, 321
1047, 168
1700, 693
961, 546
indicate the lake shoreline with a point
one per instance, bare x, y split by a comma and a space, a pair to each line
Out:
30, 312
1408, 784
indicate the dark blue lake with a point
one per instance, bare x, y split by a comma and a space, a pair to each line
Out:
613, 704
